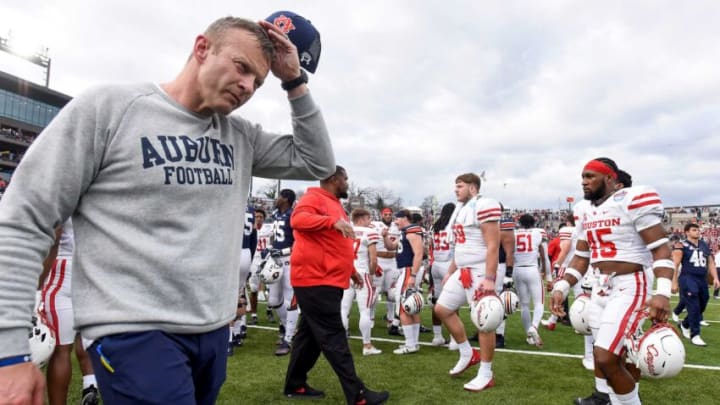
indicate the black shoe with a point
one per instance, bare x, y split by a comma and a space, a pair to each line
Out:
243, 332
253, 321
90, 396
304, 392
230, 349
283, 349
499, 341
596, 398
394, 330
424, 329
367, 397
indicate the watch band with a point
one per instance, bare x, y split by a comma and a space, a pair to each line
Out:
291, 84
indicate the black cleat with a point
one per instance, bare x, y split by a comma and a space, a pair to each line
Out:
424, 329
367, 397
596, 398
304, 392
394, 330
90, 396
499, 341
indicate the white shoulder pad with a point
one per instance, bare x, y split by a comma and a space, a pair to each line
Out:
642, 204
486, 210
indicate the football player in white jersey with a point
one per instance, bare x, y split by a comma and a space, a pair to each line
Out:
529, 250
365, 245
387, 272
264, 233
442, 249
471, 275
616, 228
57, 309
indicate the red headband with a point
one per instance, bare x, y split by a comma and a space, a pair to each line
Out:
600, 167
384, 210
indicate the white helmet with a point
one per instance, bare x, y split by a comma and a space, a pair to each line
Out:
271, 271
487, 313
579, 314
413, 302
658, 353
42, 341
510, 300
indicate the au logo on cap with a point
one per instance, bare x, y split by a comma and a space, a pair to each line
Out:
302, 34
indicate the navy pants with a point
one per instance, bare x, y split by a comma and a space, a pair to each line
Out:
155, 367
694, 293
321, 330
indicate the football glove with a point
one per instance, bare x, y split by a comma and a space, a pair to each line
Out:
508, 283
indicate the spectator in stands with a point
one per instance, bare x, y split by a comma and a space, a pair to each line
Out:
3, 185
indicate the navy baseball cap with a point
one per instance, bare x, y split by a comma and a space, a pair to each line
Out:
302, 34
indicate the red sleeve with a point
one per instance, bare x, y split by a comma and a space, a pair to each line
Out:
307, 217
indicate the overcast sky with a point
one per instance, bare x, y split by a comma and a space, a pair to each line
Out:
417, 92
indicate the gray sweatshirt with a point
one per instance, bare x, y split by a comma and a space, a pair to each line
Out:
157, 195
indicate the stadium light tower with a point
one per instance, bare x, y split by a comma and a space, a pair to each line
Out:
38, 55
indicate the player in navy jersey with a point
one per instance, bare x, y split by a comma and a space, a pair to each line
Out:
693, 260
409, 258
238, 328
280, 296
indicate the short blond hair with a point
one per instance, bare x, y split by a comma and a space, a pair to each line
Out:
358, 213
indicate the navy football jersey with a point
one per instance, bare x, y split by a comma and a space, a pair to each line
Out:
282, 231
695, 258
249, 232
405, 254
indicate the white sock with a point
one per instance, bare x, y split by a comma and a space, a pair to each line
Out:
465, 349
485, 369
230, 335
589, 346
501, 329
292, 318
437, 331
89, 380
416, 333
409, 335
553, 318
631, 398
601, 385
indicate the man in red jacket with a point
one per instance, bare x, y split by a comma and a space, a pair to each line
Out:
322, 263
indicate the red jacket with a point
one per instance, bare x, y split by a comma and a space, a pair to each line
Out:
320, 254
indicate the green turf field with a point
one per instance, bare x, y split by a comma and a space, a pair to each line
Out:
523, 373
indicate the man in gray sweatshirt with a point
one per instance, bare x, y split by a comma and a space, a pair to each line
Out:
155, 178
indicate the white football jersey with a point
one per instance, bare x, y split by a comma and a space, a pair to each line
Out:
527, 246
364, 237
67, 240
263, 236
568, 233
393, 232
470, 246
612, 228
443, 245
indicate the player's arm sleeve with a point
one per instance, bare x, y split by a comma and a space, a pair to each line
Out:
307, 154
645, 208
45, 190
307, 217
